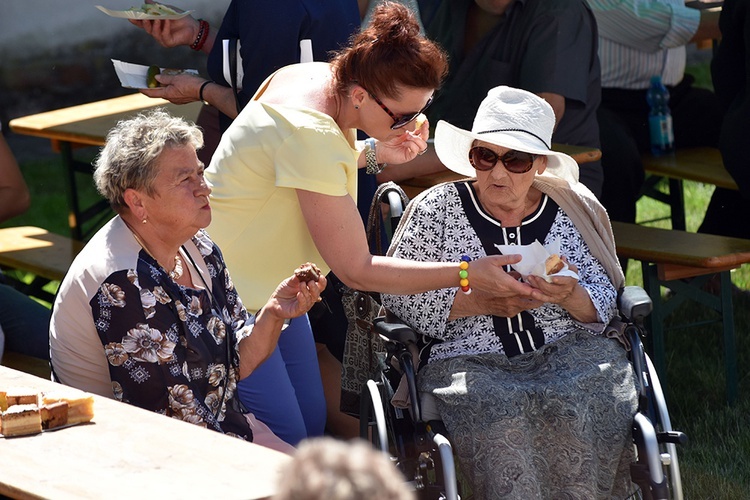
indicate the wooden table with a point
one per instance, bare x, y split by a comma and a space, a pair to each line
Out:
127, 452
87, 125
687, 164
412, 187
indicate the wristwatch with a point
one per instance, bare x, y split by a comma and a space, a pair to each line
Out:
372, 166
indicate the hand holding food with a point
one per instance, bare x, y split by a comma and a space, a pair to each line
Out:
307, 272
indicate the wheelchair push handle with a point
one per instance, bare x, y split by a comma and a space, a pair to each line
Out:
394, 329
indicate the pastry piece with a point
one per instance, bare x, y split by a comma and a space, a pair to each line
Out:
21, 420
54, 414
3, 401
21, 396
419, 121
80, 408
307, 272
553, 264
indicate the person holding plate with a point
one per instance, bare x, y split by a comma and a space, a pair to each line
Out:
537, 401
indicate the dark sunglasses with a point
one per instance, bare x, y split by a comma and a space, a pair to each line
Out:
399, 121
515, 162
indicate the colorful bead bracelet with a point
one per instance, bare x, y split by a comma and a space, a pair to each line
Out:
463, 274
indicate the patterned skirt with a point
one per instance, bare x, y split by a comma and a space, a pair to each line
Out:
554, 423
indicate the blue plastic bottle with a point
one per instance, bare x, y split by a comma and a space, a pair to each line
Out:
659, 118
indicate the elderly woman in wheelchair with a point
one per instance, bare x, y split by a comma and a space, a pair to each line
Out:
537, 401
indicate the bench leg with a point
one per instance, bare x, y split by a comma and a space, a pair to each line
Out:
655, 320
693, 291
677, 204
730, 353
674, 198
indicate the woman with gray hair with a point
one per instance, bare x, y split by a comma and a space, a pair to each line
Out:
148, 313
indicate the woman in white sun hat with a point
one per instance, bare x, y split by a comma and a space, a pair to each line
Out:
537, 401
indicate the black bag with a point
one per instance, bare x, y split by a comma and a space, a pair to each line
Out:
362, 344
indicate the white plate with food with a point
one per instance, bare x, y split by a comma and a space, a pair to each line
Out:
135, 76
145, 12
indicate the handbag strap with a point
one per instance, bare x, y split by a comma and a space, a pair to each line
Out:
375, 217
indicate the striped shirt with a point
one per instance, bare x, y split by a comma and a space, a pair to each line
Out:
642, 38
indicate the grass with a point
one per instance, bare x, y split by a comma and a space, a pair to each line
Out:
715, 463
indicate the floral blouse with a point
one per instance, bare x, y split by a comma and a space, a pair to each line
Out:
173, 349
450, 222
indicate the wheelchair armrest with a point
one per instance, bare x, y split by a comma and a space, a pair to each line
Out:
394, 329
634, 304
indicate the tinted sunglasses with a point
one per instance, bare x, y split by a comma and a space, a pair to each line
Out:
515, 162
399, 121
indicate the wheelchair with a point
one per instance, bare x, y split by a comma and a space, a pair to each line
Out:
423, 453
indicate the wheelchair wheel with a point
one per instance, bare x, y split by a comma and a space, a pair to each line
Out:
657, 470
423, 456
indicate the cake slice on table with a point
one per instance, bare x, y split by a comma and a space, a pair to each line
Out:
21, 420
54, 415
18, 396
80, 408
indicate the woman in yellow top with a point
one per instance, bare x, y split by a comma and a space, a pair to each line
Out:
284, 188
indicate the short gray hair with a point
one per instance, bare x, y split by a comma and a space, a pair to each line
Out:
327, 469
128, 157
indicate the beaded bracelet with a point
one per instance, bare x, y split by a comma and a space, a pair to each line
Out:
463, 274
202, 35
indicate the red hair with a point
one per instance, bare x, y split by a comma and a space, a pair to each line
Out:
389, 53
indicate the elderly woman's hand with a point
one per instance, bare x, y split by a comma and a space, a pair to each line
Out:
484, 303
494, 291
293, 298
488, 275
566, 292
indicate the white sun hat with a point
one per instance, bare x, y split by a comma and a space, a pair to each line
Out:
511, 118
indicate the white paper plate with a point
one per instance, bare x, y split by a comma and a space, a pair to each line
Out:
133, 76
138, 14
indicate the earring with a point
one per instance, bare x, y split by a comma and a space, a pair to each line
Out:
144, 221
356, 107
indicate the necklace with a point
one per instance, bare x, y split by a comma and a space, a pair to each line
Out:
175, 273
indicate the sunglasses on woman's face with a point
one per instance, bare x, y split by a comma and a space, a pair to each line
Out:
515, 162
399, 121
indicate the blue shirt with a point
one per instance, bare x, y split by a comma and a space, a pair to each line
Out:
269, 32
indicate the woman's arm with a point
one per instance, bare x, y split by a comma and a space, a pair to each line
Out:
291, 299
183, 89
338, 233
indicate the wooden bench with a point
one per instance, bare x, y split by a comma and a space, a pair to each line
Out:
684, 262
46, 255
692, 164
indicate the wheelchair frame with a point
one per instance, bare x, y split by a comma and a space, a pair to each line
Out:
424, 455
